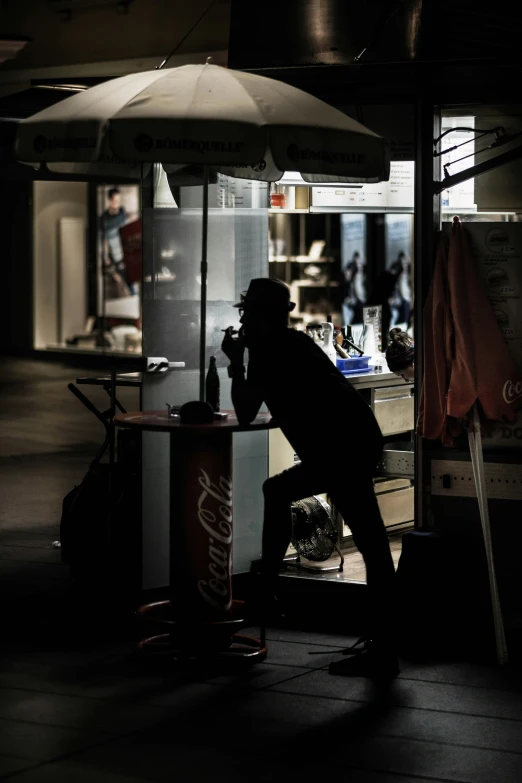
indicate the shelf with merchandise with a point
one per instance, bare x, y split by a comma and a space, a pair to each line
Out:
289, 198
302, 259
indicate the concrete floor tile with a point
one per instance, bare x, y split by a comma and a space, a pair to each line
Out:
262, 675
298, 654
432, 760
35, 741
310, 638
409, 693
52, 709
12, 764
158, 762
465, 673
68, 772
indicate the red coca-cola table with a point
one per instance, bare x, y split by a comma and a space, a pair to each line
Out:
201, 618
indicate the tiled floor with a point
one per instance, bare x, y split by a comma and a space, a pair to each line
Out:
78, 709
101, 715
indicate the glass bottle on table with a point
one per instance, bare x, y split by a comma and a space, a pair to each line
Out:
212, 385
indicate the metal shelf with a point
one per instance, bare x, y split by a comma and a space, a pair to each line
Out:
312, 284
397, 461
281, 211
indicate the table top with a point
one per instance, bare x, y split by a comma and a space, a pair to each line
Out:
124, 379
160, 421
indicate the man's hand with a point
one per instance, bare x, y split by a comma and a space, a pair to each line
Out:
233, 347
246, 398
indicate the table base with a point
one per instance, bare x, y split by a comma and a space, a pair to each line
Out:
199, 640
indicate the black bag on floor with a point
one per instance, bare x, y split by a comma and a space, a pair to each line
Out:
100, 528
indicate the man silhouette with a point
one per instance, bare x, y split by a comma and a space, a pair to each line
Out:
338, 441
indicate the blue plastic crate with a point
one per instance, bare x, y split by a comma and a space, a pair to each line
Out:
354, 364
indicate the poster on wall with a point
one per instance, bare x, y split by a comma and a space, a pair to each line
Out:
353, 262
497, 247
119, 251
398, 241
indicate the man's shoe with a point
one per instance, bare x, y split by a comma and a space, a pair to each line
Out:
376, 661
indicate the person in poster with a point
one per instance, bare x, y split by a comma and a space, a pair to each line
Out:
112, 219
355, 289
400, 300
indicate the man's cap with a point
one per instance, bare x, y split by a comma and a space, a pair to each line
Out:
262, 292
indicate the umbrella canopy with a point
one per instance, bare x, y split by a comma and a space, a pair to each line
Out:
466, 360
204, 118
242, 124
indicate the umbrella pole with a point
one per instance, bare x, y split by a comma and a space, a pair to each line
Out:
204, 270
477, 461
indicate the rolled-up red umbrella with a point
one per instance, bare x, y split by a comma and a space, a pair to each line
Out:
469, 375
482, 369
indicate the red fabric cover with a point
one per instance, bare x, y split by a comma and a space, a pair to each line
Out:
465, 357
131, 241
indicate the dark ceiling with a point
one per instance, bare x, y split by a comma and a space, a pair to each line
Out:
338, 32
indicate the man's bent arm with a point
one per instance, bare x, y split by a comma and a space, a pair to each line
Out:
246, 398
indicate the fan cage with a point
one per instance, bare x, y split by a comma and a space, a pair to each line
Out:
314, 532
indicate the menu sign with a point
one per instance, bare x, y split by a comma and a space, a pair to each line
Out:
241, 193
401, 185
397, 193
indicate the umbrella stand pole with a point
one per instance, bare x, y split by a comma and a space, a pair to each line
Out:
204, 271
475, 443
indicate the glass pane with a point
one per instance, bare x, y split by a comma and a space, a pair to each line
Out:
87, 267
237, 252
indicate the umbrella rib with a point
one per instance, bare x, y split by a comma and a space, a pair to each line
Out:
86, 104
161, 75
252, 100
194, 93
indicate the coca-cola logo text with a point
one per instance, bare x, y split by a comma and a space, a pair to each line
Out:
216, 591
512, 391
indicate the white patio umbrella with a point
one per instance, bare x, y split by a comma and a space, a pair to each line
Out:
237, 123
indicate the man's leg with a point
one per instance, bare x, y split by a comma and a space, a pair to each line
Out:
371, 539
280, 492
